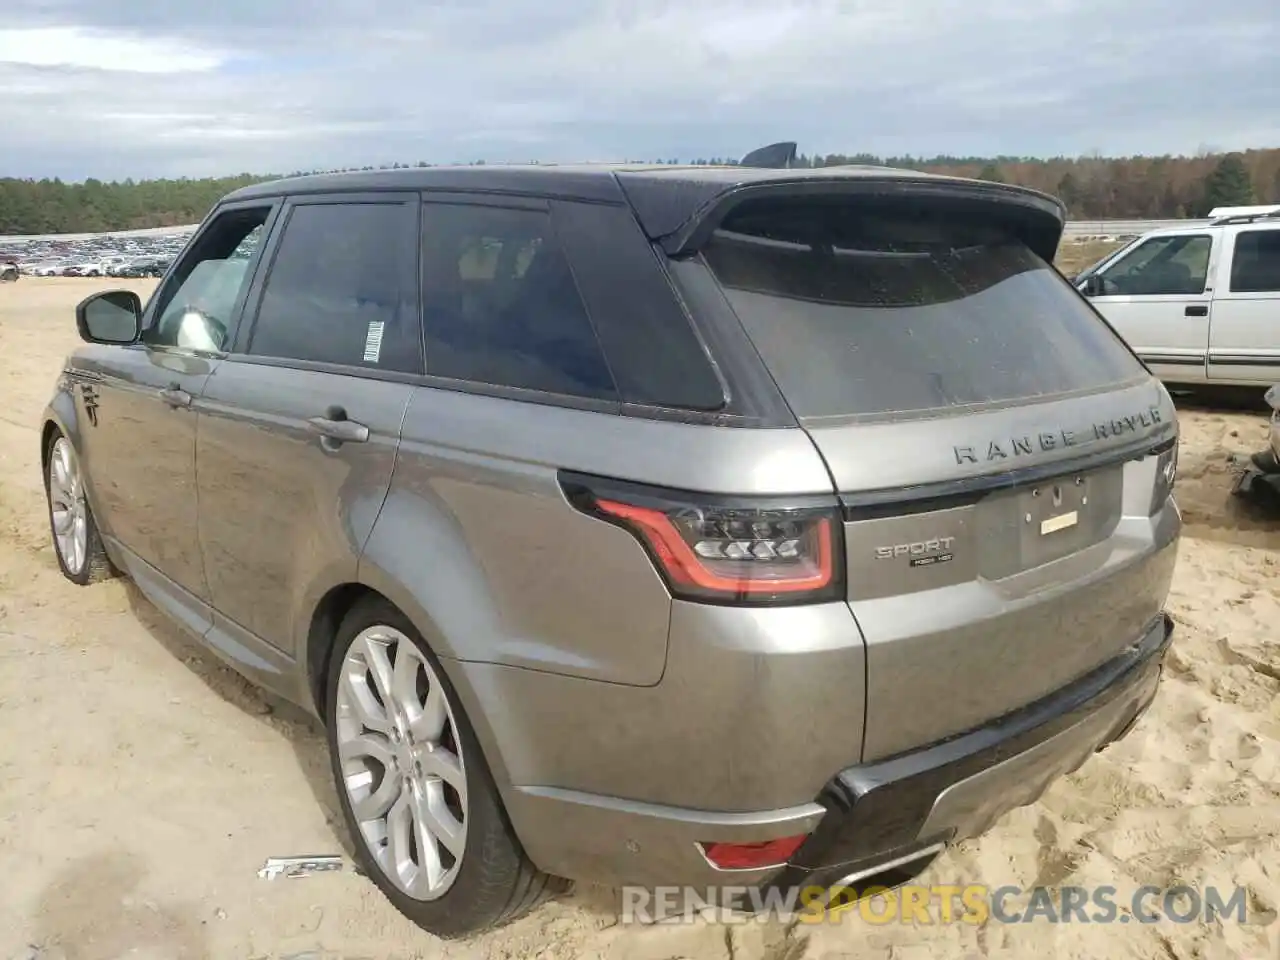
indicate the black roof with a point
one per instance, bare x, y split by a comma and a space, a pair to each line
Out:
665, 197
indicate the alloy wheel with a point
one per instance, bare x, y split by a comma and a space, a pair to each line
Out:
67, 506
402, 767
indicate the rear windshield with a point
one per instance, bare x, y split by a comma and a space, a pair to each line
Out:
863, 311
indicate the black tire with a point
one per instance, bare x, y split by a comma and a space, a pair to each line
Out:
97, 565
496, 882
1266, 461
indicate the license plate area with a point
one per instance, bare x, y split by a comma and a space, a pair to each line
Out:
1038, 523
1053, 509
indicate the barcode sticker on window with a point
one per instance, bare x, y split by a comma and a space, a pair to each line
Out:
373, 342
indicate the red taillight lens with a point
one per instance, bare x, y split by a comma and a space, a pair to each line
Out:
752, 856
720, 550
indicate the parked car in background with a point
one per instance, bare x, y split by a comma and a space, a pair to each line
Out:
1268, 460
9, 271
643, 525
1258, 477
1199, 304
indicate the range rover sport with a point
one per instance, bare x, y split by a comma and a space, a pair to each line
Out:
637, 525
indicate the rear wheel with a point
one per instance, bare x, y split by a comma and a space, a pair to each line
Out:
416, 794
76, 542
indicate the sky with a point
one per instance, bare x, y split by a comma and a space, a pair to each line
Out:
147, 88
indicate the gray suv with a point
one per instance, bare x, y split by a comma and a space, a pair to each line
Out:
641, 525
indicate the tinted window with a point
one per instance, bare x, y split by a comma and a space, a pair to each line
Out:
1255, 264
649, 341
855, 312
1161, 266
342, 288
500, 305
195, 308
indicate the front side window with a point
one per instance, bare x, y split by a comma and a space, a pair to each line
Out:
195, 308
1161, 266
341, 288
500, 305
1255, 262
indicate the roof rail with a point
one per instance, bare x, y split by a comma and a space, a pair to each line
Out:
1245, 218
1241, 211
776, 156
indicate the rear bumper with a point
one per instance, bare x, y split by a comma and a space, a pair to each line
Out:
867, 814
958, 789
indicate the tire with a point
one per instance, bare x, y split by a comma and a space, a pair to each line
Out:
489, 881
1266, 461
81, 556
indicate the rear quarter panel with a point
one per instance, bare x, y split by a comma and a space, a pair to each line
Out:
477, 539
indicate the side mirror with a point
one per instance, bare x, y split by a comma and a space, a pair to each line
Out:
1093, 286
112, 317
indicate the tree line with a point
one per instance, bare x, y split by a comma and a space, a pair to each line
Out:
1093, 188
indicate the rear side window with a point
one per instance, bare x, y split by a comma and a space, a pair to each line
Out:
500, 305
342, 288
1255, 263
876, 310
655, 355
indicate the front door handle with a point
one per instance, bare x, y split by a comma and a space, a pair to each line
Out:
175, 396
1197, 310
335, 428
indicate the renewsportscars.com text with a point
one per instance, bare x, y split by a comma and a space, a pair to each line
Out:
939, 904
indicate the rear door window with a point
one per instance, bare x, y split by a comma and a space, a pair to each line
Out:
500, 306
867, 312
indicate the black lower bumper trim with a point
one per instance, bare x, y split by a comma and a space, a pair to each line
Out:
876, 811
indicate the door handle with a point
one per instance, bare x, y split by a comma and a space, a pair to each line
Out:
1197, 310
175, 396
336, 428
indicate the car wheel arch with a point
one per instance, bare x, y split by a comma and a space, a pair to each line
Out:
322, 634
62, 422
51, 430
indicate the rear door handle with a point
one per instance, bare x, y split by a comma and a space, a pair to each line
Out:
1197, 310
336, 428
175, 396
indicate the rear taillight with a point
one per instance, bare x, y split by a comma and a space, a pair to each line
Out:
766, 551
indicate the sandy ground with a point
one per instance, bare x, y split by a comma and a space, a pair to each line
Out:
142, 784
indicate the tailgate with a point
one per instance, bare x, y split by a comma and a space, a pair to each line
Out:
1007, 525
979, 592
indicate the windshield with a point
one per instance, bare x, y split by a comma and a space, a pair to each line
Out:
857, 313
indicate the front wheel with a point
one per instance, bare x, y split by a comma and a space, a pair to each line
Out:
76, 541
416, 794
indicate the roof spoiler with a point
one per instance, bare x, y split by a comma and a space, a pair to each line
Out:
776, 156
1037, 219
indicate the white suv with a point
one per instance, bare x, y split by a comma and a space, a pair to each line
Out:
1199, 304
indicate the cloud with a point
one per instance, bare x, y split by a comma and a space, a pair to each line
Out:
74, 47
175, 87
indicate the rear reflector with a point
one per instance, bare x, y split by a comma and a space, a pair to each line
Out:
751, 856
